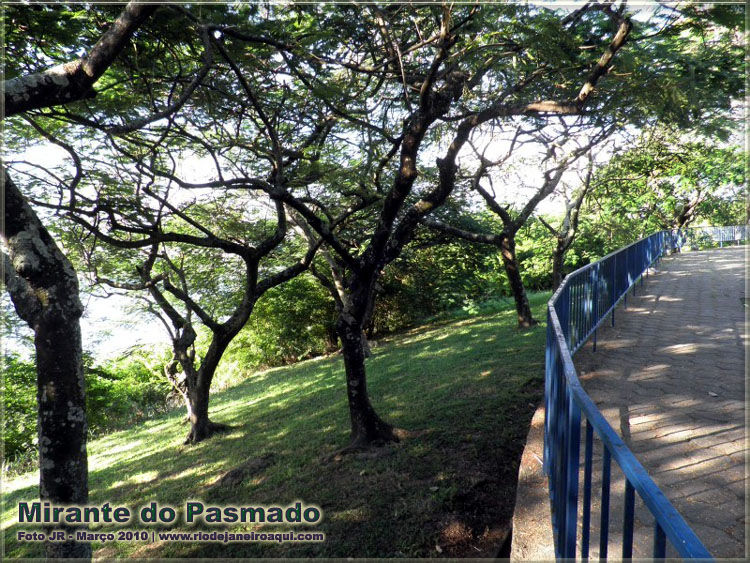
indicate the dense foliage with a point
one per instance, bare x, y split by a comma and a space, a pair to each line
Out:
663, 181
290, 323
19, 406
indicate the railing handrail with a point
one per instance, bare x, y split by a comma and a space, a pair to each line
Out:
667, 517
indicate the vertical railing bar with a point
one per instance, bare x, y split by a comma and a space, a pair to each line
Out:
549, 344
562, 486
571, 486
597, 294
604, 526
628, 517
554, 418
660, 542
582, 310
586, 524
574, 311
625, 274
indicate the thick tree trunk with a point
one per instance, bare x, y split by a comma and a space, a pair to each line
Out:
62, 426
367, 427
201, 427
44, 289
197, 383
523, 309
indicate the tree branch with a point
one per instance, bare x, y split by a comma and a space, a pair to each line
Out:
480, 238
172, 108
73, 81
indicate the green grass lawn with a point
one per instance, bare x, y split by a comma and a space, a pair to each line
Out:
465, 389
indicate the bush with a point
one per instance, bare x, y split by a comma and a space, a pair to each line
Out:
124, 391
289, 323
19, 404
428, 281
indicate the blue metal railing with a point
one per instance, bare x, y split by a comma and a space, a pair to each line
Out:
577, 308
694, 237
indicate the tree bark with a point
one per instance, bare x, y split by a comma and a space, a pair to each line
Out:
74, 80
510, 261
201, 427
197, 380
557, 264
44, 289
198, 383
367, 427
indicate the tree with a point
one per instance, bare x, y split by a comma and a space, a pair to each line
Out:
665, 181
512, 221
193, 265
44, 288
566, 233
431, 87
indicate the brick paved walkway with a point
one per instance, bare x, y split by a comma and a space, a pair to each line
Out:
669, 377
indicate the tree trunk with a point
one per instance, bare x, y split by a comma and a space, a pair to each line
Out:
332, 337
62, 427
523, 309
44, 289
201, 427
558, 257
197, 381
367, 427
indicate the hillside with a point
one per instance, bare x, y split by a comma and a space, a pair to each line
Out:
463, 390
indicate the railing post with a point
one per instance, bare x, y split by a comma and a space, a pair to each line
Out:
628, 521
604, 523
627, 279
595, 297
660, 542
561, 494
613, 283
571, 501
586, 523
548, 347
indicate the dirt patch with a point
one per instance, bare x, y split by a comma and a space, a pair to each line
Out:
481, 515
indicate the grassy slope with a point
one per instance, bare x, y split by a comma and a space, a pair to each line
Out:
466, 389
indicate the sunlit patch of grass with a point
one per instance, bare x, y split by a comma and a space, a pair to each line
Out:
466, 389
